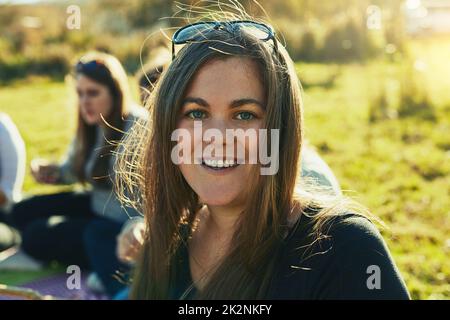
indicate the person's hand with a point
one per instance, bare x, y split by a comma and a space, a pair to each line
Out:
44, 172
2, 198
130, 241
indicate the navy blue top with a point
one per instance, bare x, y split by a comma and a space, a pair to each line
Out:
352, 262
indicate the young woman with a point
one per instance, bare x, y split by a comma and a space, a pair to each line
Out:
130, 239
66, 227
12, 172
216, 227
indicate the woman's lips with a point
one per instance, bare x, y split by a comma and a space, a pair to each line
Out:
219, 171
90, 113
219, 167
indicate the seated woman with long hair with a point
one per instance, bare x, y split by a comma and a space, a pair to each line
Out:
218, 226
80, 228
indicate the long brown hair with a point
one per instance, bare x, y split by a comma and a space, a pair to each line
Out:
116, 80
170, 205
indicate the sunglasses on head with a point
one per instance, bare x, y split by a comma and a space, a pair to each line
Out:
198, 31
91, 67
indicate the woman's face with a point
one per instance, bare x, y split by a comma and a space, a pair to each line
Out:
224, 94
94, 100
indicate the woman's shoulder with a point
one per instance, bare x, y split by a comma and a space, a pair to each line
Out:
350, 230
336, 260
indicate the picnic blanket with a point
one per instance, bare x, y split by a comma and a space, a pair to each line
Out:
56, 287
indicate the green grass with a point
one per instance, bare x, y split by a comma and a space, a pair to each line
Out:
17, 278
45, 117
398, 168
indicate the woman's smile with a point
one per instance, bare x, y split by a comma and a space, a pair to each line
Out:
220, 167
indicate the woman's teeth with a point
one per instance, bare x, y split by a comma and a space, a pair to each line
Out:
219, 163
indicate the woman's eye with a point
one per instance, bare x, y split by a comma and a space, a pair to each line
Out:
93, 93
245, 116
196, 114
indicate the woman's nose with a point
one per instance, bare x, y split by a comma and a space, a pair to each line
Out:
219, 124
84, 99
216, 134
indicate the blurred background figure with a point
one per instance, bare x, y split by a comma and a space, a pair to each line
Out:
80, 227
12, 173
317, 172
149, 74
131, 237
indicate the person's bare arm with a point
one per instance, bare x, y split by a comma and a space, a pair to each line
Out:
130, 240
44, 172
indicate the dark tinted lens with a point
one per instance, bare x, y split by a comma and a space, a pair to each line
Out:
192, 32
199, 31
79, 67
88, 66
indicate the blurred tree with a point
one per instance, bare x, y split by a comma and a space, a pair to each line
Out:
145, 13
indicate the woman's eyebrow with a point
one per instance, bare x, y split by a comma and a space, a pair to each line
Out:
199, 101
241, 102
234, 104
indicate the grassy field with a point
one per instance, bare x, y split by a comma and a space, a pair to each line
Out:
399, 167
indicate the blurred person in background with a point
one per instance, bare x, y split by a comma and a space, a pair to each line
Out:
57, 227
12, 173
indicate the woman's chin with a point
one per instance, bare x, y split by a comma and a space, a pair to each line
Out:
90, 120
219, 200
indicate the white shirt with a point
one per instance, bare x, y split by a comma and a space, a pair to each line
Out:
12, 161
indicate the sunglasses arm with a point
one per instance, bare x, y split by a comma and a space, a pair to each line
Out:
173, 50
